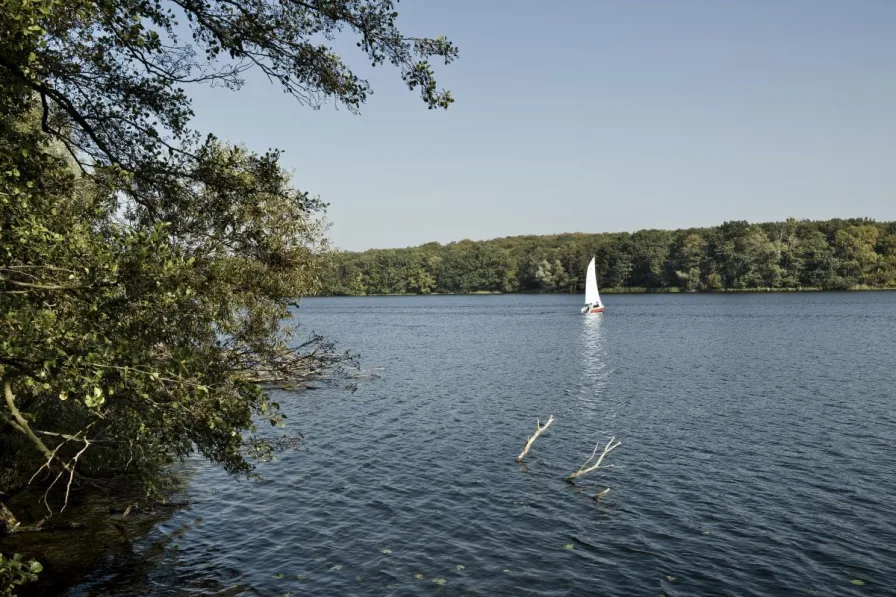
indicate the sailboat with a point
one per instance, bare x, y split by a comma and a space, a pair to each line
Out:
592, 297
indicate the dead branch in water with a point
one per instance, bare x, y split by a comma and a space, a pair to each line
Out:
607, 449
539, 429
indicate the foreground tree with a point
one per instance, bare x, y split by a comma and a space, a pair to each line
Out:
116, 70
146, 271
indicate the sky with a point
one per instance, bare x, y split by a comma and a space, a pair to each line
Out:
598, 116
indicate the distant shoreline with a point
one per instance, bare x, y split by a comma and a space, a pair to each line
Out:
632, 290
790, 256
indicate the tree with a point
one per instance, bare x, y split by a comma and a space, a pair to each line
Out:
728, 249
650, 253
887, 251
138, 346
820, 262
146, 272
620, 267
116, 70
787, 241
855, 247
762, 257
550, 275
688, 258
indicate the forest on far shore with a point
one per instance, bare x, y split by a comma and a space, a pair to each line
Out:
836, 254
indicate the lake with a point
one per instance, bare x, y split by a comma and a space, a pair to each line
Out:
757, 456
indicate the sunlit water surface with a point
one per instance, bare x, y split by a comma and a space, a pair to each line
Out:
757, 456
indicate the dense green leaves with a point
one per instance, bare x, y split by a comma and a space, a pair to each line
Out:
144, 342
15, 572
147, 271
736, 255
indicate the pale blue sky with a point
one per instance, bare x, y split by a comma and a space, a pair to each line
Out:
600, 116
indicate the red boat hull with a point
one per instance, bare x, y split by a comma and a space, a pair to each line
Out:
597, 310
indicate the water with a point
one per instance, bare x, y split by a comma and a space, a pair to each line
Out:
757, 456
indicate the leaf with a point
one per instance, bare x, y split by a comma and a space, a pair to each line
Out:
386, 550
439, 581
569, 546
336, 567
418, 576
857, 582
459, 567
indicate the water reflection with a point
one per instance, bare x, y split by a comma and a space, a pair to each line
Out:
155, 567
593, 351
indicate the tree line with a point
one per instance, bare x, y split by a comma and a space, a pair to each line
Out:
835, 254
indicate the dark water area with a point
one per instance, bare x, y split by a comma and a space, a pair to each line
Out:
757, 456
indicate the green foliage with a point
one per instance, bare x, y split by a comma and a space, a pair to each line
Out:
147, 273
14, 573
145, 341
116, 70
836, 254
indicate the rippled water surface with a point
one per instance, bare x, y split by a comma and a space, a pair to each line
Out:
757, 456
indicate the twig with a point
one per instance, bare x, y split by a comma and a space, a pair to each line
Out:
71, 475
50, 457
607, 449
539, 429
19, 422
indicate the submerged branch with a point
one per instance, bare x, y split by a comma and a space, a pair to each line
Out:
607, 449
539, 429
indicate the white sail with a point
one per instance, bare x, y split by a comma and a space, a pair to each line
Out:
592, 297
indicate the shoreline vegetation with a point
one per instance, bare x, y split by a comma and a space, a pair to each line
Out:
734, 257
147, 267
631, 290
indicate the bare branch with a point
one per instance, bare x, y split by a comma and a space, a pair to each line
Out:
607, 449
71, 474
35, 286
539, 429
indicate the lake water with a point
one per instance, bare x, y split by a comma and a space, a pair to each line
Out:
757, 456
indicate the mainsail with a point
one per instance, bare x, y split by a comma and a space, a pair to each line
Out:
591, 295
